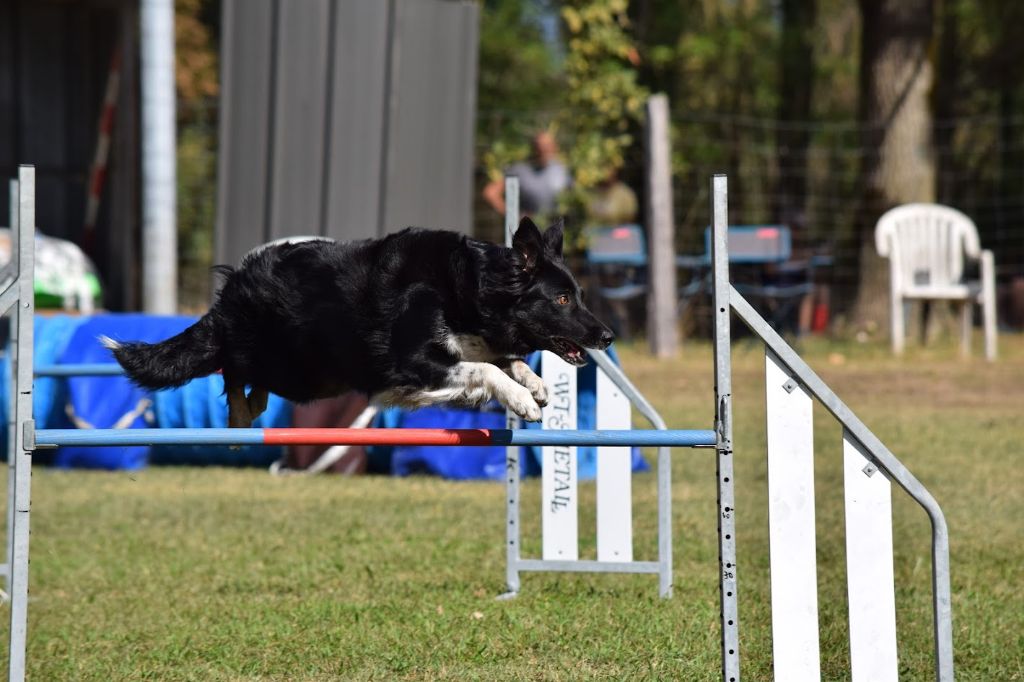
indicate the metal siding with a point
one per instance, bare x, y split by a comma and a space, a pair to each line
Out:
394, 116
357, 126
465, 187
299, 107
429, 183
244, 126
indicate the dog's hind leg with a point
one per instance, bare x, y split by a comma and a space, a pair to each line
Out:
521, 372
257, 401
238, 408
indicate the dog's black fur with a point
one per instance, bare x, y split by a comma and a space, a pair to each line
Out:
405, 319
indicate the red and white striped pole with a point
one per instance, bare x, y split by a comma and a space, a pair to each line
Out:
98, 171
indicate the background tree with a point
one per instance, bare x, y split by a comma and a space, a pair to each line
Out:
521, 84
896, 76
197, 84
825, 108
796, 82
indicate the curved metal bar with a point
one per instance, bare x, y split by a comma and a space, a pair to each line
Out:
942, 600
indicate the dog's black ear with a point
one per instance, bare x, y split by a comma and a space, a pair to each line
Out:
553, 238
527, 244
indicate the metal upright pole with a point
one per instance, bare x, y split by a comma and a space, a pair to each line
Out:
723, 426
22, 453
512, 463
12, 419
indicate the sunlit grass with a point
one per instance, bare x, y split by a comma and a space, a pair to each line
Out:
214, 574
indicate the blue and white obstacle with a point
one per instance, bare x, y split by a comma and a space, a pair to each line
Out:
791, 385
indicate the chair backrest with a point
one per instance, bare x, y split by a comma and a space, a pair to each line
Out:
755, 243
927, 244
622, 245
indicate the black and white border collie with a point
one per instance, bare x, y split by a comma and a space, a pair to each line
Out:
414, 318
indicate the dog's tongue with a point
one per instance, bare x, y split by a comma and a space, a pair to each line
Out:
576, 354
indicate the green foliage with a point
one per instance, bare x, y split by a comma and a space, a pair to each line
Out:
197, 86
604, 96
197, 183
519, 74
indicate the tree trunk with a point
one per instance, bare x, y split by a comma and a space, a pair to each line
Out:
947, 99
895, 114
796, 61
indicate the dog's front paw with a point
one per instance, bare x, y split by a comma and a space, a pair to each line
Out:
535, 385
524, 405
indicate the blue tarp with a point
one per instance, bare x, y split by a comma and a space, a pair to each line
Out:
102, 401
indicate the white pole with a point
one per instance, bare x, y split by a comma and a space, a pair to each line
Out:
159, 164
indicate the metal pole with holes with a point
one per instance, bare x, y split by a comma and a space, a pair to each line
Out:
512, 463
723, 427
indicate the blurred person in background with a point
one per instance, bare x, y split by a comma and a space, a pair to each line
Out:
541, 179
611, 202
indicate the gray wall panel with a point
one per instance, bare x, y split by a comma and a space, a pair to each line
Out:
299, 125
246, 49
429, 182
357, 121
371, 107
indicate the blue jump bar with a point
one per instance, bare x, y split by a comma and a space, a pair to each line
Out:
96, 369
49, 438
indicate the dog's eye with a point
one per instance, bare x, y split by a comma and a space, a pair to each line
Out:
562, 299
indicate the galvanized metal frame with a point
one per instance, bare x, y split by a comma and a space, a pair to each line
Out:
728, 571
12, 417
514, 563
727, 298
20, 456
887, 462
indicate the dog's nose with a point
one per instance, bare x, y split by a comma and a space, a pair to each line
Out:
606, 338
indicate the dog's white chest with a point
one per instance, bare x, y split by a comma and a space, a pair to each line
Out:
470, 348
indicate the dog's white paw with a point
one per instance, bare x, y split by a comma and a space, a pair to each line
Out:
535, 385
522, 403
525, 376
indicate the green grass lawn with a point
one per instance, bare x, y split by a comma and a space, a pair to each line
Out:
215, 574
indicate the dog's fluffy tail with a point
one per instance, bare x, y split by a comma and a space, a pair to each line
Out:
192, 353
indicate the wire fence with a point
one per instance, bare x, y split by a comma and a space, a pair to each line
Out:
979, 169
816, 191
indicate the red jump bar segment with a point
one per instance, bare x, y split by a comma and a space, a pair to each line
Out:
377, 436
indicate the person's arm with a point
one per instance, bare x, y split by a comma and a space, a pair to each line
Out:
494, 194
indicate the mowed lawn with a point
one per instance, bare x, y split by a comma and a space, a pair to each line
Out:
216, 574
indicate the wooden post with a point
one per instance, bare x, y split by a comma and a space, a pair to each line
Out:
662, 327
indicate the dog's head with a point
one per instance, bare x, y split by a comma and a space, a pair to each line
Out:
551, 315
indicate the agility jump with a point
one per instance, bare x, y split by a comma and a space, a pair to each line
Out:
791, 386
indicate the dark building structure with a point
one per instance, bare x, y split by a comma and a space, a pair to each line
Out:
55, 58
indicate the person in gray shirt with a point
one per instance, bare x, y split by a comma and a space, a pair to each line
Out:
541, 179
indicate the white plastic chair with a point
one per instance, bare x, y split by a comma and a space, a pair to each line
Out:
927, 246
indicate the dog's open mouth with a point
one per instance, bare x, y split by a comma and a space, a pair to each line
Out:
569, 351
